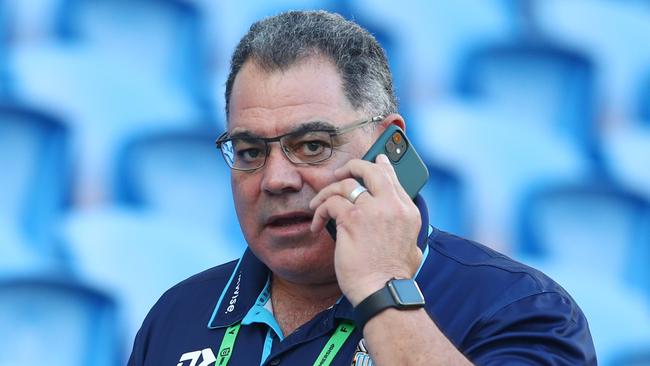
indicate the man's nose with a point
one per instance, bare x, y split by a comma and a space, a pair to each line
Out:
279, 174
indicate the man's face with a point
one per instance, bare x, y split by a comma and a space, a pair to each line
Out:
272, 203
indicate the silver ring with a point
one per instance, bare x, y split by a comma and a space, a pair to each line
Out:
352, 197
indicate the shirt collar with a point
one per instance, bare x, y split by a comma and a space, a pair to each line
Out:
250, 277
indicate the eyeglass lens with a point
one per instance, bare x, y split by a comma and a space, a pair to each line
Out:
247, 153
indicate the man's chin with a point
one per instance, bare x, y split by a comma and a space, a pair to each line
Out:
311, 255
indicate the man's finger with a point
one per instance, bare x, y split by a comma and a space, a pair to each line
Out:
342, 188
332, 208
374, 177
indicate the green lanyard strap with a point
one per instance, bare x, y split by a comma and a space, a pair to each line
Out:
325, 357
227, 343
334, 344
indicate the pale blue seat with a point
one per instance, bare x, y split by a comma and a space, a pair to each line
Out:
123, 67
174, 217
35, 160
644, 101
445, 196
136, 255
497, 158
613, 34
594, 239
537, 83
163, 37
181, 173
626, 150
45, 319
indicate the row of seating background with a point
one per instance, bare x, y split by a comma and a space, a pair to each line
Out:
534, 124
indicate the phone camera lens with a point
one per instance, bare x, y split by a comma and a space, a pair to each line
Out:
390, 147
397, 138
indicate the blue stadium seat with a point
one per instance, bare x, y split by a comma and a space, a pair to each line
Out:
137, 255
181, 173
594, 239
434, 34
633, 358
497, 158
644, 101
626, 150
611, 44
58, 322
444, 194
4, 72
123, 67
34, 155
146, 35
175, 217
537, 83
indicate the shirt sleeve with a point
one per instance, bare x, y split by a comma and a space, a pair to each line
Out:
542, 329
139, 349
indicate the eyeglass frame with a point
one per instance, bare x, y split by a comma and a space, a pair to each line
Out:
336, 131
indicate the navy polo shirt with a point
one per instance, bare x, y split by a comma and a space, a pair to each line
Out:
493, 309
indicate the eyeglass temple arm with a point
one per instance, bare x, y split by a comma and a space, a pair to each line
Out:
360, 124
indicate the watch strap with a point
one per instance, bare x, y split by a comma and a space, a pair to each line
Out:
372, 305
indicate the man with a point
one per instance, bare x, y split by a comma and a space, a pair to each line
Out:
308, 94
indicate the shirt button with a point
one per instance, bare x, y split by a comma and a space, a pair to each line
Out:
275, 362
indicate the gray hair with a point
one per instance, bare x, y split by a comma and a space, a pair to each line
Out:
279, 42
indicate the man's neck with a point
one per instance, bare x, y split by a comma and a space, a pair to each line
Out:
295, 304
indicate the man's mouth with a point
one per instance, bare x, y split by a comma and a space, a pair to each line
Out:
289, 219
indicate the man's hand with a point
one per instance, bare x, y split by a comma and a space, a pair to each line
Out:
376, 235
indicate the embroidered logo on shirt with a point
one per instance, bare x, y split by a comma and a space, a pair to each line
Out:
235, 295
193, 357
361, 356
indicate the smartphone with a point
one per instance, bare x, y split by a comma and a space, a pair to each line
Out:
411, 171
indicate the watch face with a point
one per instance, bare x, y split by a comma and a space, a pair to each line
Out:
406, 292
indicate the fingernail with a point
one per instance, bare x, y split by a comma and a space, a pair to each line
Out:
382, 158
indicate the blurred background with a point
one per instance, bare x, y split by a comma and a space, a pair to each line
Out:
533, 117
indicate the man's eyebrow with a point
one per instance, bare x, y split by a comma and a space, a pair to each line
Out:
243, 134
313, 126
301, 128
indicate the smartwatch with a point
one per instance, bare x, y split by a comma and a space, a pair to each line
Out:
402, 294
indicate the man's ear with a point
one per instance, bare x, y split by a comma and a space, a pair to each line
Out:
394, 119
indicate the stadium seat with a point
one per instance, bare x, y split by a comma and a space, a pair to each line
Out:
640, 357
612, 44
34, 155
58, 322
179, 172
174, 217
626, 150
124, 67
497, 157
538, 83
434, 35
644, 101
444, 194
594, 239
136, 256
165, 37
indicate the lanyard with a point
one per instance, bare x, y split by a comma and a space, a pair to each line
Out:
334, 344
227, 343
325, 357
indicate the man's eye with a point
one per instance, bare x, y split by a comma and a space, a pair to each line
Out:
313, 147
249, 154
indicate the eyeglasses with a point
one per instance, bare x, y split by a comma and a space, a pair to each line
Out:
302, 147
